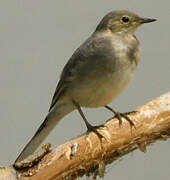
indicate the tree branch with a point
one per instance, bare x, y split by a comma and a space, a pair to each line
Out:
89, 154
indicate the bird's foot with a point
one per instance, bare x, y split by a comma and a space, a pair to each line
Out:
124, 115
119, 116
91, 128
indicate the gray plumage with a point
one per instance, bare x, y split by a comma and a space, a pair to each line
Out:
96, 73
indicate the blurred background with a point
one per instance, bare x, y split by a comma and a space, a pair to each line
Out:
36, 40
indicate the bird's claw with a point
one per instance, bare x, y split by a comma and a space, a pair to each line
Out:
91, 128
130, 112
124, 115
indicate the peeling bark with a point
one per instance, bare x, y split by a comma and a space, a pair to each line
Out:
88, 155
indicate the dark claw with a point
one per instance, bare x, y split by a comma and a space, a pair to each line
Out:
120, 115
130, 112
94, 129
128, 119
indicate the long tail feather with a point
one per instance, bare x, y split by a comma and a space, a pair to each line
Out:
54, 116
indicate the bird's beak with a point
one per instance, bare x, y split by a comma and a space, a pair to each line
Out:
146, 20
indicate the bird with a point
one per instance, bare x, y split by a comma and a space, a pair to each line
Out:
97, 72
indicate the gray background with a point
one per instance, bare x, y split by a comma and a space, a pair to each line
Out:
37, 37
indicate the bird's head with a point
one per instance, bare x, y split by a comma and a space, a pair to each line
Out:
122, 21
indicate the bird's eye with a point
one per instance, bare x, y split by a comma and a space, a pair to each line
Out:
125, 19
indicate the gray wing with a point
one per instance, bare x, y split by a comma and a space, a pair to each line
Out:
96, 48
94, 51
60, 89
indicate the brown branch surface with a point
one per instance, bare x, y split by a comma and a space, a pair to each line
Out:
89, 154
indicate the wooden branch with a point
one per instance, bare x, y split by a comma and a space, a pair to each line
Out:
89, 154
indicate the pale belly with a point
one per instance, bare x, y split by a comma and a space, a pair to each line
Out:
102, 90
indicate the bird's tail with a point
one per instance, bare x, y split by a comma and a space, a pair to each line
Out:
54, 116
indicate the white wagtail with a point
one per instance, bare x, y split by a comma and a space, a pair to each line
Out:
96, 73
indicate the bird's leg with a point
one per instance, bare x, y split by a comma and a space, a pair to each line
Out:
120, 115
88, 125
